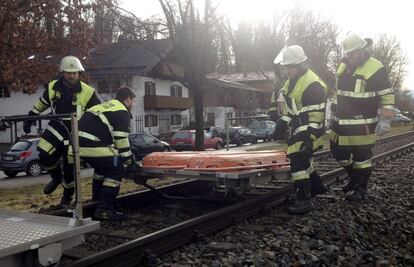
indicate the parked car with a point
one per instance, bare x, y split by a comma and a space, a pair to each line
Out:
142, 144
263, 129
214, 130
185, 140
399, 117
22, 157
239, 135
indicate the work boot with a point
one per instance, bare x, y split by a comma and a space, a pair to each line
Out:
107, 214
56, 175
303, 203
317, 187
361, 191
105, 210
351, 185
65, 203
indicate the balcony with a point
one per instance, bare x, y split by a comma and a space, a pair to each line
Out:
167, 102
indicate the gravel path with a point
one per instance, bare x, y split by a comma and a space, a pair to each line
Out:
379, 232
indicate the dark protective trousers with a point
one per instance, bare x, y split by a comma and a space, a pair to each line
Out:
53, 146
301, 165
356, 160
107, 178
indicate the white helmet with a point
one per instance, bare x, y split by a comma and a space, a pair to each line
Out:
354, 42
70, 64
291, 55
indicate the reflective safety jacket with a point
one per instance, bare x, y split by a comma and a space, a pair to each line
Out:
358, 95
304, 110
104, 131
64, 100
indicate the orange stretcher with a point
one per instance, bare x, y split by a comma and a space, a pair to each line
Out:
230, 170
216, 162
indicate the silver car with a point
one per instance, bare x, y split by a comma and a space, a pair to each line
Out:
263, 129
22, 157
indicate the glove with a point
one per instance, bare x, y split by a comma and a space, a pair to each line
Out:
133, 172
27, 125
132, 169
307, 147
383, 126
280, 130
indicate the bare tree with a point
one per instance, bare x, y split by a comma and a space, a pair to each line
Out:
32, 32
317, 36
388, 50
191, 33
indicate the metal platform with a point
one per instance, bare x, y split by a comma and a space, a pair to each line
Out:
22, 232
242, 179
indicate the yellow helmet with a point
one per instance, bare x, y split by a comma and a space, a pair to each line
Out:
353, 42
70, 64
291, 55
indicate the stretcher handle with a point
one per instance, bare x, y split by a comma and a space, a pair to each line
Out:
239, 167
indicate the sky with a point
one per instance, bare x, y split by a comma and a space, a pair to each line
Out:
367, 18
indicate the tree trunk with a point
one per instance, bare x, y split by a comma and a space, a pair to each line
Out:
199, 118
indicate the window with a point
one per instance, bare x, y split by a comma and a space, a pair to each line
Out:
148, 139
181, 135
108, 87
176, 90
150, 88
20, 146
176, 119
4, 91
151, 120
136, 139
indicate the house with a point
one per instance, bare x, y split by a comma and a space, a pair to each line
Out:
237, 95
162, 103
15, 103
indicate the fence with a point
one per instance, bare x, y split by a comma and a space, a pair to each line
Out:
161, 125
245, 121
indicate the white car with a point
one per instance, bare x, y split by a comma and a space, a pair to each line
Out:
400, 118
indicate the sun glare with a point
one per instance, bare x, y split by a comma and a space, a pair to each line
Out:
251, 10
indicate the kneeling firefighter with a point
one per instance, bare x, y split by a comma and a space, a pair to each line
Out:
303, 113
104, 144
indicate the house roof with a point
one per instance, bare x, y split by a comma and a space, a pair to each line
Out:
244, 76
230, 84
127, 57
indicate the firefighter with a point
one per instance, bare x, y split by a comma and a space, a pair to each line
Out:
304, 94
363, 106
104, 144
64, 95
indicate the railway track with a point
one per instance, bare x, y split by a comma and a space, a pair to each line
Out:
130, 248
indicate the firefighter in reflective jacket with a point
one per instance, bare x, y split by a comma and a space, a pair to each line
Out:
104, 144
304, 112
65, 95
362, 88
